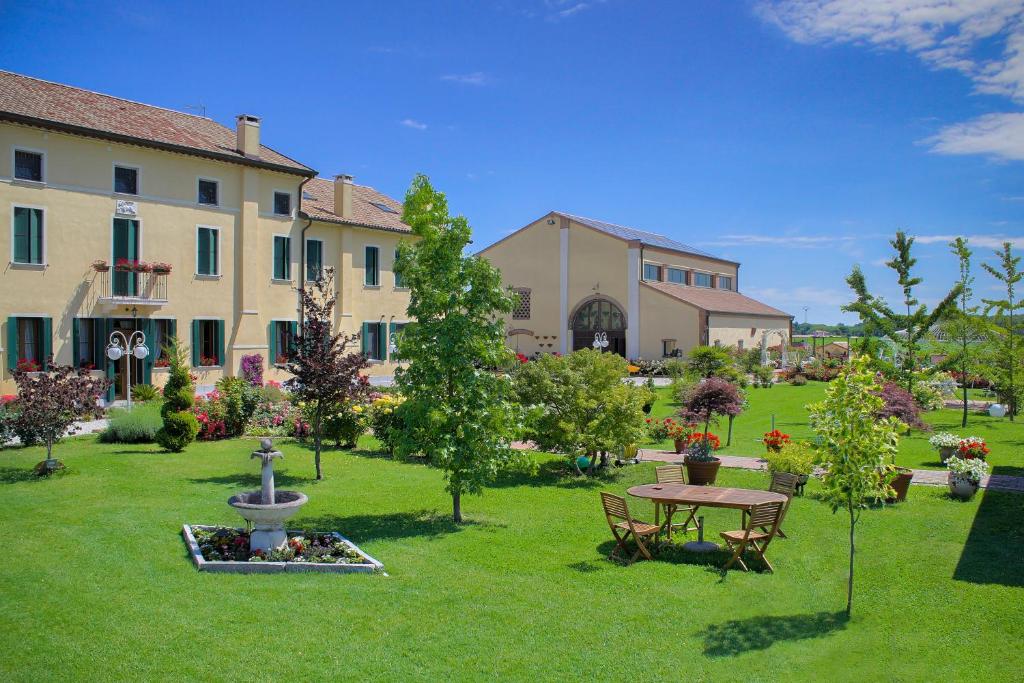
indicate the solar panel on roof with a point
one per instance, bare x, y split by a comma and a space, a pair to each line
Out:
649, 238
384, 207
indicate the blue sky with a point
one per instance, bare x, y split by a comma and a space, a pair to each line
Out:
795, 137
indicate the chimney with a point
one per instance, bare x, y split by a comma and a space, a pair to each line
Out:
247, 129
343, 196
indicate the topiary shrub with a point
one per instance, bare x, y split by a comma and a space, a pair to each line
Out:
180, 425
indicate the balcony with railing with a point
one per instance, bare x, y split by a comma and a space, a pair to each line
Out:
137, 284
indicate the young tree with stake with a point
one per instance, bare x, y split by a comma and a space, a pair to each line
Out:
1006, 362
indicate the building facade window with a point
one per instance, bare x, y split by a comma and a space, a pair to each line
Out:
724, 282
314, 260
374, 340
739, 344
702, 279
28, 165
282, 204
282, 257
652, 272
28, 235
29, 347
677, 276
394, 330
164, 330
282, 340
207, 343
208, 192
85, 343
522, 307
207, 251
668, 347
399, 281
126, 180
372, 267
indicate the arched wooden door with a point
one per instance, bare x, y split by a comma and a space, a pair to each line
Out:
599, 315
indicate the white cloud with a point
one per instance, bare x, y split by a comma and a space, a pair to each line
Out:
557, 10
983, 241
998, 135
413, 123
474, 78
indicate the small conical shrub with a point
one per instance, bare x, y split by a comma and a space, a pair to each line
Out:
180, 425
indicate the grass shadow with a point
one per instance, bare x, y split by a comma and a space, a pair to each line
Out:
248, 480
995, 542
16, 475
674, 553
557, 473
585, 567
738, 636
397, 525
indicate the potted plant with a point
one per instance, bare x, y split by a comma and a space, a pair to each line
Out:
706, 401
100, 265
965, 476
795, 458
946, 444
701, 464
775, 440
124, 265
669, 429
971, 448
160, 268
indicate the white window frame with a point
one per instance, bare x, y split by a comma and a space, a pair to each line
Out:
379, 270
273, 203
305, 255
273, 260
195, 256
14, 153
46, 236
209, 180
113, 179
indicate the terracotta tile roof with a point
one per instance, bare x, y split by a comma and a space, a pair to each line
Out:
650, 239
52, 105
717, 300
318, 203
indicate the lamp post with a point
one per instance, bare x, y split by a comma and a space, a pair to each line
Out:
128, 347
600, 341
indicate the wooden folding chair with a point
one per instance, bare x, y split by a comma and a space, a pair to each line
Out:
762, 516
673, 474
615, 508
785, 483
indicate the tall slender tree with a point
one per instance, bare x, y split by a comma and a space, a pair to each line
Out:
903, 330
963, 326
458, 412
1007, 357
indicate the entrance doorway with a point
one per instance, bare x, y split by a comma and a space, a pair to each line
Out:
599, 316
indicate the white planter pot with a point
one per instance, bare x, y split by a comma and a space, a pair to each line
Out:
997, 410
962, 487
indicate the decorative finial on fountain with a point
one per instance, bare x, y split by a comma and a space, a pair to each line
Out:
267, 455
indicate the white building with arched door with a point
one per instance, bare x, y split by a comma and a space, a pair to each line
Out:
647, 295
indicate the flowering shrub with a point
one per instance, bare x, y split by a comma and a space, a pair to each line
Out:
775, 440
386, 420
971, 468
222, 544
124, 265
927, 395
252, 369
28, 365
344, 423
944, 440
702, 446
660, 430
971, 381
900, 404
521, 357
972, 447
210, 411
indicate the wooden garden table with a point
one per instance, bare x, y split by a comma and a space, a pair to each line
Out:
701, 496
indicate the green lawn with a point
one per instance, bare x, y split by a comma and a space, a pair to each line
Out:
787, 403
98, 584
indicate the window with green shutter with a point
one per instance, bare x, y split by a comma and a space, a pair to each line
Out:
29, 342
314, 260
28, 235
282, 340
372, 267
373, 340
399, 281
282, 257
207, 262
87, 343
207, 343
126, 249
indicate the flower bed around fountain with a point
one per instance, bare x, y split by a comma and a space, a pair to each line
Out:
223, 549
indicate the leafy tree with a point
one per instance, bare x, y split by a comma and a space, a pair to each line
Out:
1007, 354
325, 373
180, 425
963, 326
904, 330
579, 405
50, 402
709, 361
457, 411
854, 445
711, 398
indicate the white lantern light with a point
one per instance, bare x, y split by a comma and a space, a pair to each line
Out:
114, 353
141, 351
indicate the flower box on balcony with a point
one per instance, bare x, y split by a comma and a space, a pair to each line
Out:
100, 266
161, 268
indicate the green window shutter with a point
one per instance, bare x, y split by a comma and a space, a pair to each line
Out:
272, 344
220, 343
99, 342
293, 333
382, 341
314, 259
398, 278
76, 332
21, 235
36, 235
363, 339
12, 343
372, 266
195, 343
109, 365
206, 257
47, 342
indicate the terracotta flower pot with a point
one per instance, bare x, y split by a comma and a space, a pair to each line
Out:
679, 444
962, 487
901, 484
702, 473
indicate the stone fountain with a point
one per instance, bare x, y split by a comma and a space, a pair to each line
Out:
267, 509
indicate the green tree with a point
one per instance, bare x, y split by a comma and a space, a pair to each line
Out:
1006, 360
854, 445
963, 327
904, 330
579, 405
712, 361
458, 411
180, 425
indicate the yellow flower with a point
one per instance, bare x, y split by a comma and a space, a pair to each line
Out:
357, 409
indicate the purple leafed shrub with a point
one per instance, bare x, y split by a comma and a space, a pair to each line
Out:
711, 397
901, 404
252, 369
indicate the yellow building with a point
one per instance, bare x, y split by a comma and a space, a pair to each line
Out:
648, 296
104, 195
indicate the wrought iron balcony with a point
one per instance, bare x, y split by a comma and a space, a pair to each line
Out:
119, 288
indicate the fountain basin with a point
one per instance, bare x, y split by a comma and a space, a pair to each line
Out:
268, 519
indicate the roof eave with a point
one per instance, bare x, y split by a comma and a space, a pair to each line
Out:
368, 226
143, 142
